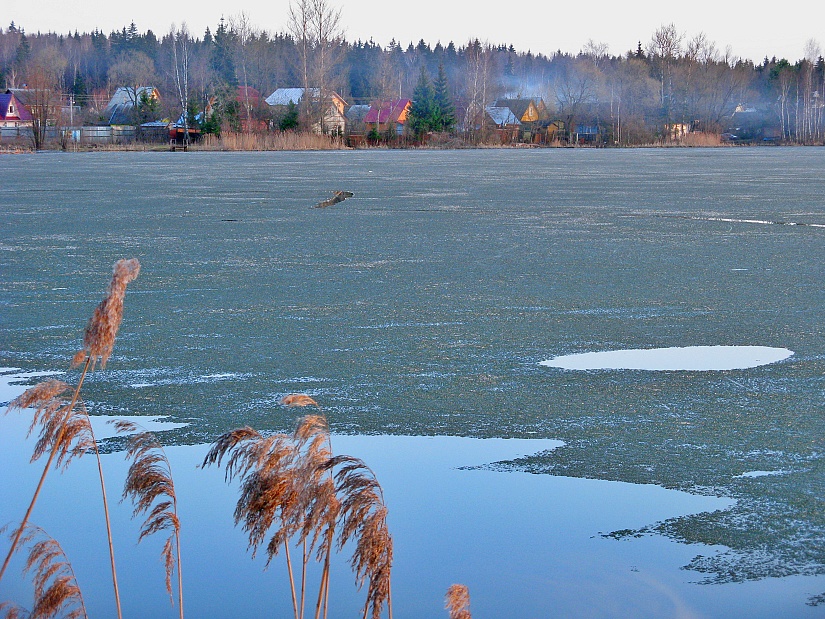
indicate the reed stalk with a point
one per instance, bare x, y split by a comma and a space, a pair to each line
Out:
150, 485
52, 454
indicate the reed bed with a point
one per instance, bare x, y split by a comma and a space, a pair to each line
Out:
297, 498
287, 140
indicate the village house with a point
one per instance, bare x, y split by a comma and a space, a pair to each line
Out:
389, 116
12, 112
120, 110
525, 110
332, 120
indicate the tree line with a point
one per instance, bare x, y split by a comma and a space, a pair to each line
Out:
669, 83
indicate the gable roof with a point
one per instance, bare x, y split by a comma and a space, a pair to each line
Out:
388, 111
247, 91
119, 109
20, 111
502, 115
285, 96
124, 95
357, 113
519, 107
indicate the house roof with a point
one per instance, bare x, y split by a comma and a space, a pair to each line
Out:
247, 91
21, 112
119, 109
502, 115
387, 111
519, 107
123, 95
285, 96
357, 113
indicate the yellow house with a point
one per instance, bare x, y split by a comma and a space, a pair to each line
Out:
525, 110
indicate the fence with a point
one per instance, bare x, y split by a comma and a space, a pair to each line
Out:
77, 135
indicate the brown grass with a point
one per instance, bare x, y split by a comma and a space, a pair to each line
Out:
701, 139
288, 140
457, 601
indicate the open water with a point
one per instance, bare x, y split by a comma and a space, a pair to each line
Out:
424, 304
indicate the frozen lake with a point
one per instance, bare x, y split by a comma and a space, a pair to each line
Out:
423, 307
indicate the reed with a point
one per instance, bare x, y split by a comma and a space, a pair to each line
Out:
65, 429
287, 140
457, 602
56, 591
296, 492
150, 485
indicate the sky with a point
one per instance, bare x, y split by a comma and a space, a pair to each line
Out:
751, 33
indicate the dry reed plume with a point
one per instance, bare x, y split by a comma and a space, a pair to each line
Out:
298, 399
291, 488
150, 486
65, 429
55, 586
457, 601
99, 338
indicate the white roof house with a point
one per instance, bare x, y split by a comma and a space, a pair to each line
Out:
285, 96
502, 116
333, 117
118, 110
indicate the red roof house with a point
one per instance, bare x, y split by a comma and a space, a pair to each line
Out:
12, 112
386, 114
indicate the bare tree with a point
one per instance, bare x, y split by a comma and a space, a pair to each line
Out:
181, 56
300, 27
575, 89
133, 71
664, 48
328, 34
315, 27
44, 75
241, 27
479, 83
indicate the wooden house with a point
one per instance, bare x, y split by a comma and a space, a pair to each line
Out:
12, 111
332, 120
389, 116
525, 110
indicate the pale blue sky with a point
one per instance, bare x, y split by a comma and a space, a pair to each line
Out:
544, 27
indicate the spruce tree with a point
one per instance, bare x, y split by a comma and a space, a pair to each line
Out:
421, 112
443, 109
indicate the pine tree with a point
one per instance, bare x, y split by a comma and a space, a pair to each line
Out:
443, 109
421, 113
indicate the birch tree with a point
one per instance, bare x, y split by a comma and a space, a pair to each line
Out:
181, 55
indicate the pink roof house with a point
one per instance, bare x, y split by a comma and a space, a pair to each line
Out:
386, 114
12, 112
